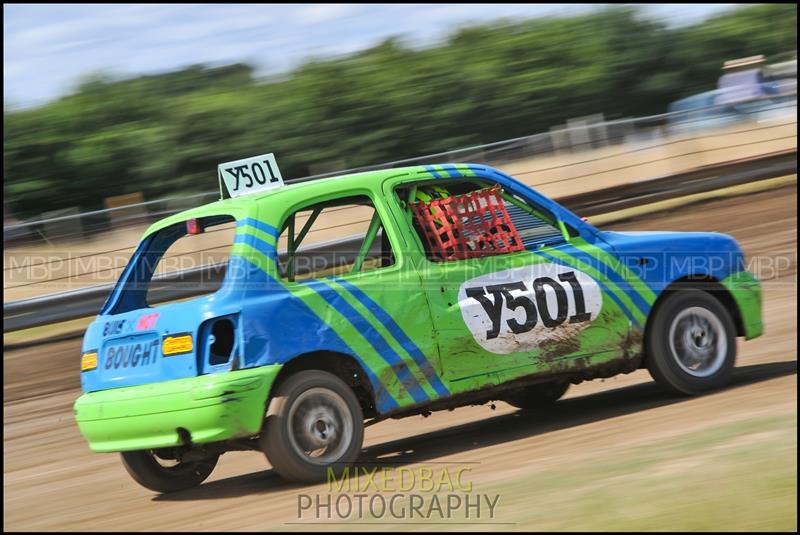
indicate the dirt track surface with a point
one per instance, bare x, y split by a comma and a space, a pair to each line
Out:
53, 482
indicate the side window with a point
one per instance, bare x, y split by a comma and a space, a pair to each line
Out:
463, 219
306, 247
534, 230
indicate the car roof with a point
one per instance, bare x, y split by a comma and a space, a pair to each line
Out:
306, 188
309, 189
352, 180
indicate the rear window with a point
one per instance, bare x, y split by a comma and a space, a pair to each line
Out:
183, 260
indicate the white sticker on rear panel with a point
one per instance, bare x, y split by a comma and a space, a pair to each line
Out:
250, 175
517, 309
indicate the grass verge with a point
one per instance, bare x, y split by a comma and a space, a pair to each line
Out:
735, 477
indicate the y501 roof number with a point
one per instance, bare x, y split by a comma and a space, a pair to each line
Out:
250, 175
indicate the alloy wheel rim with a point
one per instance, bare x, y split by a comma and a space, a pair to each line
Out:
320, 426
697, 341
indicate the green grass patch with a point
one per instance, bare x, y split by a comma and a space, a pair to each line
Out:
740, 476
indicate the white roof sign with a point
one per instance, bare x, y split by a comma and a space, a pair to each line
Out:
250, 175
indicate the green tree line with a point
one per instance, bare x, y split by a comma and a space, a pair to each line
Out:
165, 134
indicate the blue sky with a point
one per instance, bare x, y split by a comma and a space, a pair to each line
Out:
48, 47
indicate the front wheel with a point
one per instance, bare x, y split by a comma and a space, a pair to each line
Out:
691, 344
315, 424
159, 471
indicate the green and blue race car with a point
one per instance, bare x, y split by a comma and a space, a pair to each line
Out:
467, 286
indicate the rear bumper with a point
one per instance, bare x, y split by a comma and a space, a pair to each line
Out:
210, 407
746, 291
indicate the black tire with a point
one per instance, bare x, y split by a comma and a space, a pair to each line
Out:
146, 470
333, 414
537, 396
706, 363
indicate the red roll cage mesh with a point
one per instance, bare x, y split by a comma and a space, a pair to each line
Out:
467, 226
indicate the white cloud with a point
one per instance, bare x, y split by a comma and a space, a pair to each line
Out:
318, 13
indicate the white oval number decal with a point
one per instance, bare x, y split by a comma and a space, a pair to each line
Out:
517, 309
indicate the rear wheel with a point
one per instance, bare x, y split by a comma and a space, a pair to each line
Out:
691, 344
159, 471
315, 424
537, 396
